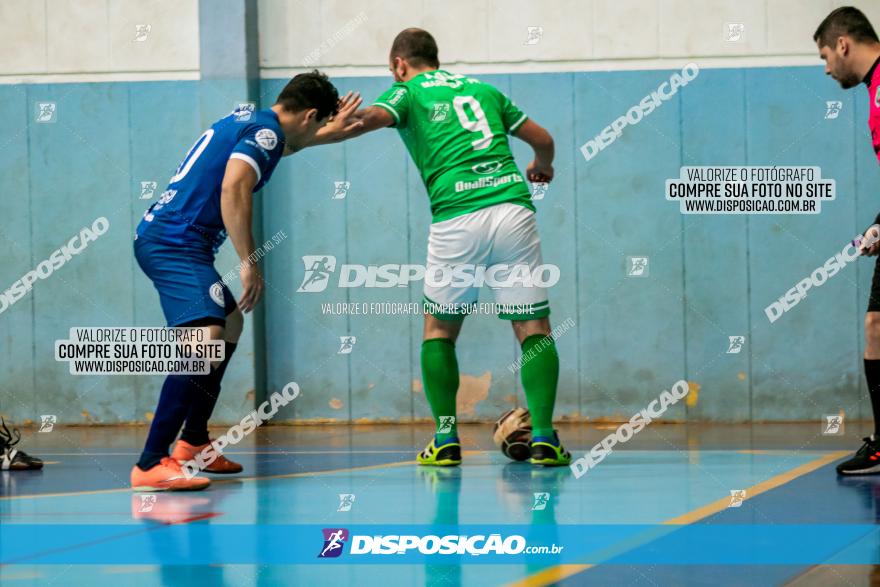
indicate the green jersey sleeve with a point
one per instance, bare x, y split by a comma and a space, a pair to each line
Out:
511, 115
396, 100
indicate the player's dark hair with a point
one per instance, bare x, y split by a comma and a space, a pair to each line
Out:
310, 90
417, 46
845, 21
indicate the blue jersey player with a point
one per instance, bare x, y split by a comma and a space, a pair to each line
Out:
209, 197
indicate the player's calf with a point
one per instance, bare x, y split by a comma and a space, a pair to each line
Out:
539, 373
866, 461
440, 382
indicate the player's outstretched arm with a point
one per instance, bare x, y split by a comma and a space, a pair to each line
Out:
236, 208
353, 125
541, 168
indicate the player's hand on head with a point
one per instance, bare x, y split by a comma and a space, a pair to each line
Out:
870, 244
346, 116
349, 103
537, 172
252, 282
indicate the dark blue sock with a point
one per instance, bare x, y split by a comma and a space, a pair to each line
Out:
174, 402
195, 430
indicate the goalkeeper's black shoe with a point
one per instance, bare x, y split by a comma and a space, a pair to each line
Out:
866, 461
12, 459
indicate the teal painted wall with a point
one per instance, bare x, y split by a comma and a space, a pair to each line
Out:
56, 178
710, 276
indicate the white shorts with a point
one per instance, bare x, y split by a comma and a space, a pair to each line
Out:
496, 246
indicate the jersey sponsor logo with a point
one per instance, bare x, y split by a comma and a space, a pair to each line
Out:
267, 138
877, 97
486, 182
440, 112
486, 167
216, 293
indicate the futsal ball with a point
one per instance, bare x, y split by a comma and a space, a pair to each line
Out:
512, 434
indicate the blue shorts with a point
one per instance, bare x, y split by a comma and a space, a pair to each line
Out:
189, 287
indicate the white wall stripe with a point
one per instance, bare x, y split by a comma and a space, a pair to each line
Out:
76, 78
566, 66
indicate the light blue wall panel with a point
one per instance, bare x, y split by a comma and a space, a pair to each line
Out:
790, 379
715, 251
378, 234
18, 400
79, 171
557, 216
631, 328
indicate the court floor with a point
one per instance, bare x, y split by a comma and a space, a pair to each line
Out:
659, 511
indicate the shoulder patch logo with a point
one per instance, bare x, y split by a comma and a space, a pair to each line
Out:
267, 138
396, 96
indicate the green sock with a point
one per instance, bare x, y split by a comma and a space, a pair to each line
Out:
440, 379
539, 375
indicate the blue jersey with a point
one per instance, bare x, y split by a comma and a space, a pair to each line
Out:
188, 212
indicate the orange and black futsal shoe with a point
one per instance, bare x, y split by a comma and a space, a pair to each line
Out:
166, 476
866, 461
184, 451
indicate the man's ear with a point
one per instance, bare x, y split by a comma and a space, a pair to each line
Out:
311, 115
400, 66
843, 45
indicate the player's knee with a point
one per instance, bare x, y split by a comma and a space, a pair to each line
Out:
526, 328
234, 326
437, 328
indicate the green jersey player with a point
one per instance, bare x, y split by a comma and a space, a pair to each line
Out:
483, 227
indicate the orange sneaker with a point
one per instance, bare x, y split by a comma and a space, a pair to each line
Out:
184, 451
166, 476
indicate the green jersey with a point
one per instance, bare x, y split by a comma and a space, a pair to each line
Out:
455, 128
